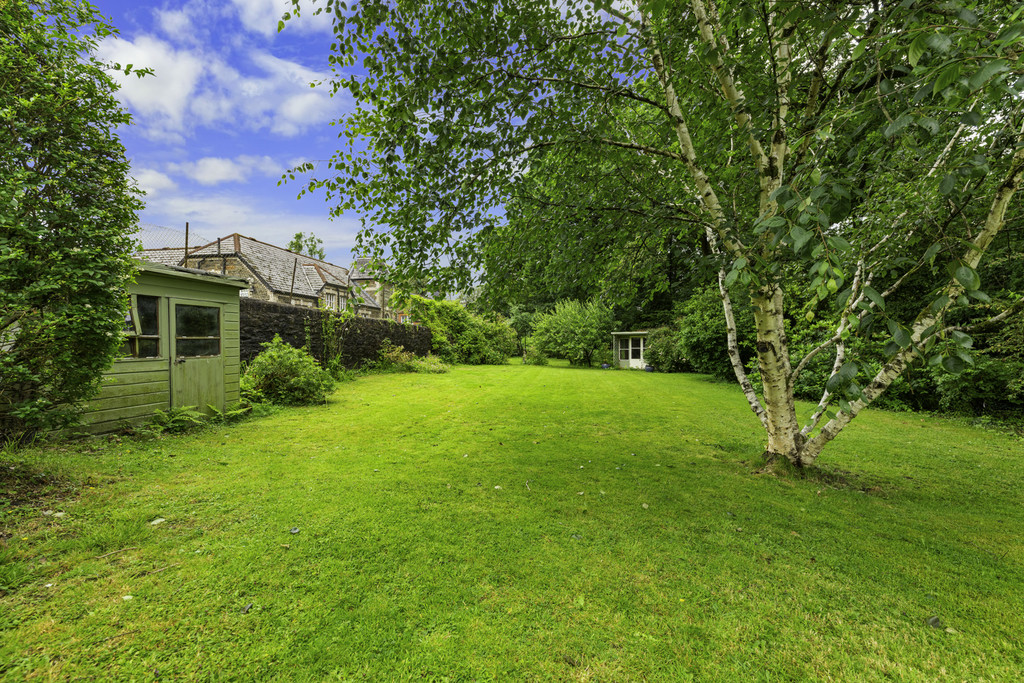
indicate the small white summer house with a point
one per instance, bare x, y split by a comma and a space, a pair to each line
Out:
628, 349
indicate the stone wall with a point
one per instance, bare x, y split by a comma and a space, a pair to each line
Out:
356, 341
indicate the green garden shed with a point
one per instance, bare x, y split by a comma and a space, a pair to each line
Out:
181, 348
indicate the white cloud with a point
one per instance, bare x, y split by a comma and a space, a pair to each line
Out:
298, 112
190, 87
217, 170
153, 181
162, 98
278, 98
262, 16
177, 25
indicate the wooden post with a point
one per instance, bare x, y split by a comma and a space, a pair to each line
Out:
291, 290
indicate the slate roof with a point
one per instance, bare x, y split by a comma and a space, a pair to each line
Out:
168, 256
274, 265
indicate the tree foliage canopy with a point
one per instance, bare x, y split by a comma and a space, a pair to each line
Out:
67, 209
868, 151
310, 245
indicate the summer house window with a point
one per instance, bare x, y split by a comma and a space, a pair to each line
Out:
637, 348
142, 328
197, 330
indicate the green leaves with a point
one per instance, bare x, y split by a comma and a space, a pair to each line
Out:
67, 207
874, 297
900, 334
968, 277
800, 237
986, 72
946, 78
917, 49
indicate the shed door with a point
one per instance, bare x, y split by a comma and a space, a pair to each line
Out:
197, 359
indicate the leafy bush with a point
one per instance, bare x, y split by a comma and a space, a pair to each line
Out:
703, 334
461, 337
532, 353
988, 386
284, 374
664, 350
574, 330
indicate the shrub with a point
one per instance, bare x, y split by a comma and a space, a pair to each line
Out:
703, 334
393, 358
284, 374
532, 353
664, 350
461, 337
574, 330
985, 387
429, 364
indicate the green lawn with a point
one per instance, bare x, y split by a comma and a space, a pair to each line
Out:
518, 523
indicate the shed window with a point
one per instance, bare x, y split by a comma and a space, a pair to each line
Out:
197, 331
623, 349
142, 328
637, 348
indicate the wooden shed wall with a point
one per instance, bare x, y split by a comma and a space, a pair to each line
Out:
135, 388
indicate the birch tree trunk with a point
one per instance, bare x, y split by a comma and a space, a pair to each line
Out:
782, 427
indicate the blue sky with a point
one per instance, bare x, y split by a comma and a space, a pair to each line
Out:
227, 111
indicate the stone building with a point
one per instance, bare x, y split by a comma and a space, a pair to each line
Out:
277, 274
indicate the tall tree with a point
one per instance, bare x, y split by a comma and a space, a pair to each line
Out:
68, 211
853, 145
310, 245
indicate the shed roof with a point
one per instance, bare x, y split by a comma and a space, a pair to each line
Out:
191, 274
